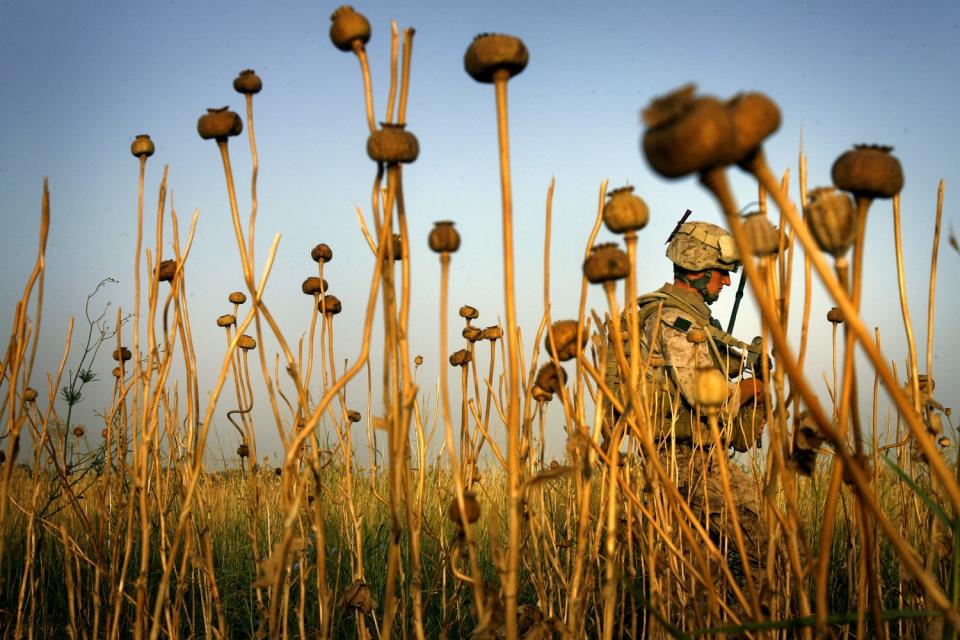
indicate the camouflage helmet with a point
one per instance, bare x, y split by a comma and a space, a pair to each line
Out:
700, 245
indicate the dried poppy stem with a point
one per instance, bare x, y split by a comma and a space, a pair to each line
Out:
455, 471
394, 46
405, 78
861, 482
361, 53
933, 280
852, 319
904, 305
253, 177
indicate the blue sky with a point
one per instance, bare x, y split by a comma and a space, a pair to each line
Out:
82, 79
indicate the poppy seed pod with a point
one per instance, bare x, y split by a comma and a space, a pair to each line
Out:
243, 450
330, 304
472, 334
313, 286
353, 415
167, 269
443, 237
117, 372
321, 253
392, 143
227, 320
710, 388
348, 27
541, 395
868, 171
493, 54
762, 237
755, 117
78, 431
248, 82
468, 312
104, 433
418, 360
247, 342
30, 394
237, 297
219, 124
122, 354
471, 509
831, 217
142, 146
492, 333
696, 336
550, 378
835, 315
624, 211
460, 358
565, 337
606, 262
687, 134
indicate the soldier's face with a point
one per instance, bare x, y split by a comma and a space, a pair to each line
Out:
718, 280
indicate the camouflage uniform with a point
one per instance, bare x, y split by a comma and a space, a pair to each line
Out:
678, 336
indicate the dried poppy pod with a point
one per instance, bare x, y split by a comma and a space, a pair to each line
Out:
348, 28
78, 431
443, 237
237, 297
471, 509
353, 416
227, 320
696, 336
331, 305
541, 395
492, 333
313, 286
167, 269
472, 334
493, 55
460, 358
219, 124
835, 315
755, 117
30, 394
117, 372
243, 450
247, 342
104, 433
762, 237
831, 217
278, 471
868, 171
686, 134
122, 354
807, 440
392, 144
142, 146
321, 253
248, 82
469, 313
625, 212
358, 596
565, 338
418, 360
710, 388
606, 263
550, 378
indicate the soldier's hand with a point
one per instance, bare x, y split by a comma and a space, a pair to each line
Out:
754, 362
